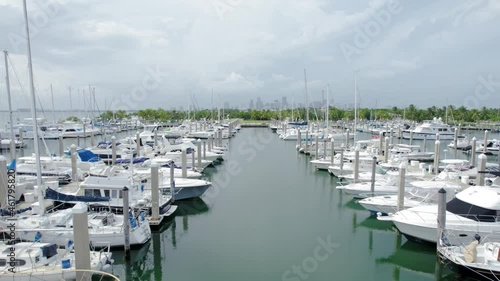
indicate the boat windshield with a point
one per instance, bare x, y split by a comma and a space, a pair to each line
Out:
470, 211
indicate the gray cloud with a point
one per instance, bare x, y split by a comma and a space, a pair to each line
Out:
429, 53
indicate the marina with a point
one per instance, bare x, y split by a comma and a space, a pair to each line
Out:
245, 223
135, 145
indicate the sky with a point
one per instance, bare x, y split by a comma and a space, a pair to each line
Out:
172, 53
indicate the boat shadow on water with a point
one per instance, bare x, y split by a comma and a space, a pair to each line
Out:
191, 207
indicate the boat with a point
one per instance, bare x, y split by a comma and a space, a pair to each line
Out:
429, 129
484, 266
45, 261
473, 210
420, 193
105, 228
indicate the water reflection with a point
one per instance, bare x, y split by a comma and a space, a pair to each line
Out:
372, 223
192, 207
417, 258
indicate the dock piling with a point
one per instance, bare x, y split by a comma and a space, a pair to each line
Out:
184, 163
401, 187
126, 223
481, 167
374, 169
81, 240
441, 218
473, 152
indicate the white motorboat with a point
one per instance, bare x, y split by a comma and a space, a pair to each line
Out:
484, 266
45, 261
429, 129
472, 211
111, 186
105, 228
420, 193
388, 186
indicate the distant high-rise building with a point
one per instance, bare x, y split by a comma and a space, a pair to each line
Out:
251, 106
284, 103
259, 105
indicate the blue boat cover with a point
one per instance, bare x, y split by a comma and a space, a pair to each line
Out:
134, 161
57, 196
86, 155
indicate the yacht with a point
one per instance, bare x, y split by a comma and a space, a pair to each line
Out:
472, 211
429, 129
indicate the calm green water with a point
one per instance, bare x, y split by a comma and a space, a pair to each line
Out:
268, 217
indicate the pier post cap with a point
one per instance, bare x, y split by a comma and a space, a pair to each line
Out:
347, 130
442, 190
125, 188
482, 156
356, 149
72, 146
402, 166
486, 131
474, 138
79, 208
381, 134
438, 142
113, 138
154, 165
374, 158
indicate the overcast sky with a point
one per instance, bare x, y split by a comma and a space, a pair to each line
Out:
159, 53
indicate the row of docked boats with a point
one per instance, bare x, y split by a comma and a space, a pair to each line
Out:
404, 191
81, 175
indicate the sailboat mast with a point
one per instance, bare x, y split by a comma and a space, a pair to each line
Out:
355, 103
307, 99
327, 108
53, 107
33, 114
7, 83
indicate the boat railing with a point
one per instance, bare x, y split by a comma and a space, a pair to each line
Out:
466, 219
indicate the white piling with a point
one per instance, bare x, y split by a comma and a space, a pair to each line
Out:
155, 193
204, 151
184, 163
138, 144
374, 169
441, 216
436, 156
401, 187
481, 167
220, 138
332, 152
113, 150
380, 143
61, 146
81, 241
356, 164
193, 168
198, 150
316, 146
156, 140
347, 138
341, 160
306, 149
486, 134
473, 152
209, 144
172, 181
126, 223
455, 143
72, 151
411, 137
386, 150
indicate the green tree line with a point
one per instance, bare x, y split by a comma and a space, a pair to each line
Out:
455, 114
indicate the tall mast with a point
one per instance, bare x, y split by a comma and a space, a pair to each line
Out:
307, 99
327, 108
53, 107
355, 103
7, 83
33, 114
